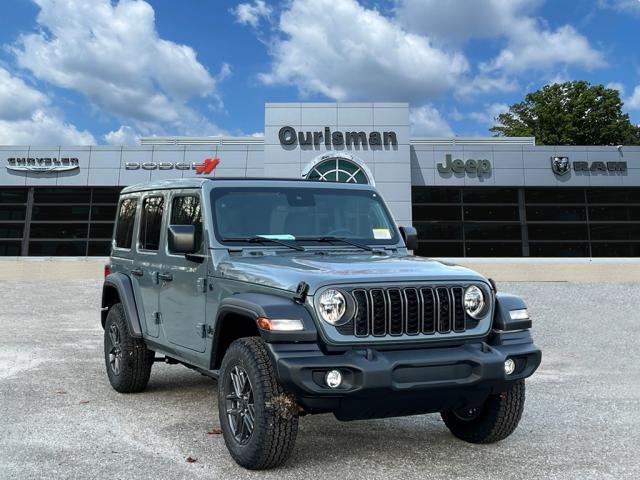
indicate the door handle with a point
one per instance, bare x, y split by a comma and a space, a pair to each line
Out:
138, 272
167, 277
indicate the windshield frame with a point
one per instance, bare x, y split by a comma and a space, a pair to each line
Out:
218, 191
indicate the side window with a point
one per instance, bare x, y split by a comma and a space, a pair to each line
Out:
125, 222
185, 210
150, 223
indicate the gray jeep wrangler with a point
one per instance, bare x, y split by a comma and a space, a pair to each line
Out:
302, 297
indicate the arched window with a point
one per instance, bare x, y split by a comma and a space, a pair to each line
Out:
336, 169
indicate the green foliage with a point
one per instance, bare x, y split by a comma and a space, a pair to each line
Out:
570, 113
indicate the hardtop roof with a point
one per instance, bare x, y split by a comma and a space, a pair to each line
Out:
182, 183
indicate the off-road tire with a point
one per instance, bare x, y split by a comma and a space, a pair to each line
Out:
136, 359
497, 419
276, 412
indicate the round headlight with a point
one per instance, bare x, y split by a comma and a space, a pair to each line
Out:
332, 306
473, 301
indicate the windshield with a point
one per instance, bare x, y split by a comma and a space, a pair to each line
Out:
301, 214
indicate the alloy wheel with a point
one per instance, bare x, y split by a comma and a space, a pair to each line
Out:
240, 405
115, 353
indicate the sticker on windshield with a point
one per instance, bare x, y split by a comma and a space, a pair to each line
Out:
282, 236
381, 233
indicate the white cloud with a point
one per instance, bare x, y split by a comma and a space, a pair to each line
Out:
26, 117
346, 51
251, 14
484, 84
624, 6
17, 99
532, 48
488, 117
530, 44
111, 53
459, 21
633, 102
125, 135
427, 121
42, 128
616, 86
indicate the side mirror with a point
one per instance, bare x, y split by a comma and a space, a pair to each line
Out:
182, 239
410, 237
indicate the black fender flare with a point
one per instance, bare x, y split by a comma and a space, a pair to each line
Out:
255, 305
122, 285
506, 302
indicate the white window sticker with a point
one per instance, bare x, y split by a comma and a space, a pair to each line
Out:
280, 236
381, 233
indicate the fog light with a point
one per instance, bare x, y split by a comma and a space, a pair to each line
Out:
333, 378
509, 366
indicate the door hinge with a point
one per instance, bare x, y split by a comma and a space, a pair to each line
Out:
157, 317
201, 284
204, 330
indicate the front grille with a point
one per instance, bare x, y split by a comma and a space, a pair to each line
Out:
407, 311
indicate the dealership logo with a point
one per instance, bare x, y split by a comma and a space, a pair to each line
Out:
562, 166
205, 167
470, 166
42, 164
208, 166
289, 137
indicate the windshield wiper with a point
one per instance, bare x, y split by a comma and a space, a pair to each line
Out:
259, 239
337, 239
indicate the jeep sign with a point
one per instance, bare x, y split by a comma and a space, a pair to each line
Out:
470, 166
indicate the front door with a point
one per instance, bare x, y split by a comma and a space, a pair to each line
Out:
182, 293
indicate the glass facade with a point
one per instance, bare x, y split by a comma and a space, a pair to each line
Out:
451, 221
57, 221
530, 222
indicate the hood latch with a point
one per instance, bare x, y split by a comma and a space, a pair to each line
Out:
301, 292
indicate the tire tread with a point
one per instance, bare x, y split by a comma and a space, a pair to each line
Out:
273, 446
499, 418
137, 358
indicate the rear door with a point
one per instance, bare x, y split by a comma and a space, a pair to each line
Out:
148, 259
183, 299
125, 259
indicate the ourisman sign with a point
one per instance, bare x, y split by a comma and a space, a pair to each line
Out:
289, 136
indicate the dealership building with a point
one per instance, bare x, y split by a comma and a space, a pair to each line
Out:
467, 197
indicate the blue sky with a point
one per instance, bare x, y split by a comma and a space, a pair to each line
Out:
100, 71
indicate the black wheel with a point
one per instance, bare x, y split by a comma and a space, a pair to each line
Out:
493, 421
259, 419
127, 359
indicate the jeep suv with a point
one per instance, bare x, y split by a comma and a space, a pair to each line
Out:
302, 297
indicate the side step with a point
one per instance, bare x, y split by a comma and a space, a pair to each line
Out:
172, 361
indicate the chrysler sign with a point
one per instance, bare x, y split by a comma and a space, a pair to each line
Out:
42, 164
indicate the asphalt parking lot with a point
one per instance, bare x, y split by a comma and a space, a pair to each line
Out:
59, 418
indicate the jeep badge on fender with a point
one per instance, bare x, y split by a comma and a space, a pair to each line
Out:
303, 297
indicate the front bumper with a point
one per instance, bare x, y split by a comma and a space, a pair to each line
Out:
380, 383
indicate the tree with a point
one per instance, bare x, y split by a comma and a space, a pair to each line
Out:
570, 113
